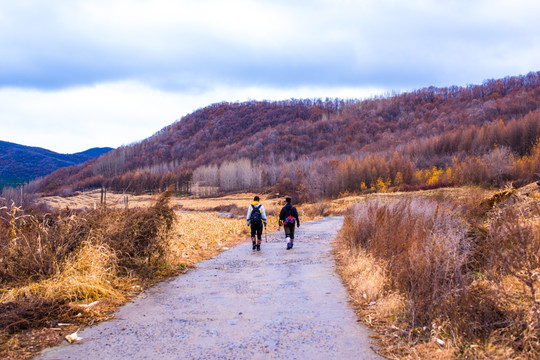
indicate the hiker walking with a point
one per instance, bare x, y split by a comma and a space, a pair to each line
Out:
288, 217
256, 217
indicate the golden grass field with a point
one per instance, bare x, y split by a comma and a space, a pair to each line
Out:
235, 205
241, 201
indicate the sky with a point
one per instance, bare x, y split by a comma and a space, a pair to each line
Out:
77, 74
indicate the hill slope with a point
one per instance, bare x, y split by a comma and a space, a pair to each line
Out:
429, 126
19, 163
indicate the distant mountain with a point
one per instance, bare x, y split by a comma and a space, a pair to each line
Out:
20, 163
93, 152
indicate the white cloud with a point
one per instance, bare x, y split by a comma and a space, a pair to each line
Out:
114, 114
73, 120
71, 68
178, 45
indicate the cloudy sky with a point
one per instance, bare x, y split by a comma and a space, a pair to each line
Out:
76, 74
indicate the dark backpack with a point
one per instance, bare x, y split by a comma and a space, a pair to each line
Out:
256, 216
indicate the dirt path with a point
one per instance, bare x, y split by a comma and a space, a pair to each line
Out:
272, 304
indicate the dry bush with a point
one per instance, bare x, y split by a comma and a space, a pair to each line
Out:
468, 273
512, 250
424, 248
505, 286
77, 256
34, 245
88, 274
37, 245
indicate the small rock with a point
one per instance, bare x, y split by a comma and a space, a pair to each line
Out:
71, 338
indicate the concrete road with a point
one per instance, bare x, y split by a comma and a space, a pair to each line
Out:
242, 304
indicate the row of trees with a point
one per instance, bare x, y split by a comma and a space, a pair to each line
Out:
313, 179
519, 135
239, 175
489, 155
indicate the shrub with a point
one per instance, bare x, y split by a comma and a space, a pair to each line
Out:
35, 312
512, 251
424, 248
468, 272
74, 255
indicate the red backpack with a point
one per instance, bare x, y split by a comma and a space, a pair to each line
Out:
290, 220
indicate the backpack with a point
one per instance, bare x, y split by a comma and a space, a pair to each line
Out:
290, 220
256, 216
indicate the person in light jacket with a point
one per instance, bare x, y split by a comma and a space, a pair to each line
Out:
256, 218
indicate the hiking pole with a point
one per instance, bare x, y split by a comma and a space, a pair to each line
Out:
265, 234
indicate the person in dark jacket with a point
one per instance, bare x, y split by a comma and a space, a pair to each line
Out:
288, 217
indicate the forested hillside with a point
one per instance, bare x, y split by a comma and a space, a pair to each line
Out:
19, 163
475, 134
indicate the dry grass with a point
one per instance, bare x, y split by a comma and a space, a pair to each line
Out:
341, 205
367, 282
115, 200
239, 201
447, 276
201, 235
92, 200
105, 255
235, 204
87, 275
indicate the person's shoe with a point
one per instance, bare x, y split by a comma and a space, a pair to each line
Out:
254, 245
258, 247
289, 246
292, 245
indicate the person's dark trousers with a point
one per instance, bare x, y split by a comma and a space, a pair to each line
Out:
256, 230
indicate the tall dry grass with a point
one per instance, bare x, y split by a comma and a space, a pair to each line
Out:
422, 246
53, 261
512, 251
36, 246
79, 256
459, 278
